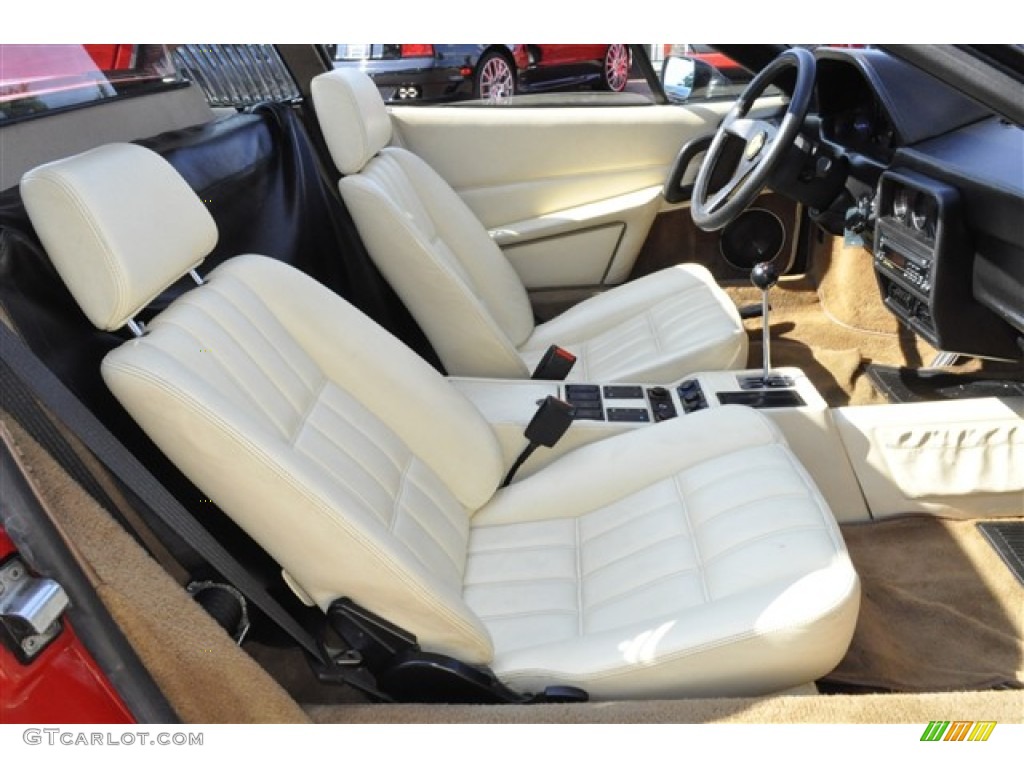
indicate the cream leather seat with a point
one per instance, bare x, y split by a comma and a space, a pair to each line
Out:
466, 296
637, 566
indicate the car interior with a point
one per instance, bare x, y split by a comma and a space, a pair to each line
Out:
584, 408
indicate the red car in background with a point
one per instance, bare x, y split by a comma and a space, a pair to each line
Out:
427, 72
60, 76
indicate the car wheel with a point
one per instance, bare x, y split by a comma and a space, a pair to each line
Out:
495, 78
615, 71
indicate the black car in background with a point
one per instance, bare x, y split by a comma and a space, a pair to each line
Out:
426, 72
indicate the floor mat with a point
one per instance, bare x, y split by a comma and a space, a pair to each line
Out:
939, 610
1008, 540
903, 385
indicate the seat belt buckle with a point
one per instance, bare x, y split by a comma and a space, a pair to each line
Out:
550, 422
555, 365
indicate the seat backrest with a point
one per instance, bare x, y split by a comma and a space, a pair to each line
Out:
339, 450
432, 249
261, 177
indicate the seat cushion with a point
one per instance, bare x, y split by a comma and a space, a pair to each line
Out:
694, 557
656, 329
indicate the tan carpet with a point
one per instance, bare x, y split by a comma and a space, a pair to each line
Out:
939, 610
1000, 706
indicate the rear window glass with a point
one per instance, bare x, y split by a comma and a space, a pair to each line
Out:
36, 79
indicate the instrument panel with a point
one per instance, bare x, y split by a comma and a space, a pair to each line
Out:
933, 186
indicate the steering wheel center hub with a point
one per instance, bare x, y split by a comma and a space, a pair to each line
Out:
756, 144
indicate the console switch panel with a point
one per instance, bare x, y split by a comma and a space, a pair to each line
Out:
586, 399
691, 396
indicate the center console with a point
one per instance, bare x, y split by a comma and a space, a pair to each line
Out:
645, 404
603, 410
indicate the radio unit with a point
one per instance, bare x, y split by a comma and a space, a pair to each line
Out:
905, 261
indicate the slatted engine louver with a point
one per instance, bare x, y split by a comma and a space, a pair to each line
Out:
237, 75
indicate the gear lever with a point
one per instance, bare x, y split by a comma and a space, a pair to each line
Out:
764, 275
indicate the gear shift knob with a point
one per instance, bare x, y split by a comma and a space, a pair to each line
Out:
764, 275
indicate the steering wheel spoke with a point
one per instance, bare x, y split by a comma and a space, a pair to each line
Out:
755, 145
743, 169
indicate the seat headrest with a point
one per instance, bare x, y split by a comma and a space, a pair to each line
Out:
120, 225
354, 121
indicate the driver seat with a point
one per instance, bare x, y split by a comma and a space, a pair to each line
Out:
467, 297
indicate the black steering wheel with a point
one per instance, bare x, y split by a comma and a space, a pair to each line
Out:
746, 150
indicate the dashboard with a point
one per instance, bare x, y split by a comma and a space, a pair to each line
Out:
935, 185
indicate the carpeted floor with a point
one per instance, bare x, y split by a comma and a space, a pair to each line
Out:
999, 706
940, 611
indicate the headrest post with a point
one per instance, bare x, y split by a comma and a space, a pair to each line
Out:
135, 328
195, 277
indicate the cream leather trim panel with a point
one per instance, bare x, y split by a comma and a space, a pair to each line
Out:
514, 164
530, 174
588, 245
955, 458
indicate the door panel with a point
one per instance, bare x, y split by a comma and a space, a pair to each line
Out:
537, 176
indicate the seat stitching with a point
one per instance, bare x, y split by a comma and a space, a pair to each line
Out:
824, 512
386, 487
750, 503
693, 539
712, 459
538, 612
522, 548
397, 498
233, 375
625, 520
632, 553
397, 509
367, 436
523, 580
648, 316
342, 482
411, 513
443, 507
580, 618
762, 537
309, 411
271, 344
638, 587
